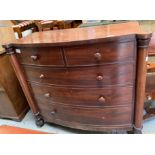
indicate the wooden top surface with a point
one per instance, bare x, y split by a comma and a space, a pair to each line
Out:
77, 35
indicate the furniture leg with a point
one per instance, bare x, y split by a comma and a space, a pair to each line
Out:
26, 87
143, 42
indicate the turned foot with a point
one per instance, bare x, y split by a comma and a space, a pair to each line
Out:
135, 131
40, 122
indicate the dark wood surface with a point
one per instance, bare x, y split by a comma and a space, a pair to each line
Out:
38, 56
87, 116
99, 53
85, 78
90, 97
123, 73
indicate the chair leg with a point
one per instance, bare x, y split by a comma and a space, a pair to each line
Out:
19, 34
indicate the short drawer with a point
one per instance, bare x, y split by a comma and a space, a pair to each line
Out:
89, 116
92, 97
83, 76
41, 56
99, 53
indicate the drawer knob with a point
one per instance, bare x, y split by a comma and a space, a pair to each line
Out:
101, 99
98, 56
99, 77
53, 112
34, 57
47, 95
42, 76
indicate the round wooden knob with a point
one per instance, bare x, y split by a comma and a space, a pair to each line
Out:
34, 57
41, 76
47, 95
98, 56
99, 77
53, 112
101, 99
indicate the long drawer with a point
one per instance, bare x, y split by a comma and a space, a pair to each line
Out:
90, 116
84, 76
41, 56
99, 53
92, 97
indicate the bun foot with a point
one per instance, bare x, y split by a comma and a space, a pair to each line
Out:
40, 122
39, 119
137, 131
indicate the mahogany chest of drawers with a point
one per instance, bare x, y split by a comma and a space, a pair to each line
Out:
85, 78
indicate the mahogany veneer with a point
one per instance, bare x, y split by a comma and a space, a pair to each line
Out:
13, 104
85, 78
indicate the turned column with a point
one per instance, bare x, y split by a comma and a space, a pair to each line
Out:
24, 84
142, 56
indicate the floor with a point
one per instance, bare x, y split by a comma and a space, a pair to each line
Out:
29, 123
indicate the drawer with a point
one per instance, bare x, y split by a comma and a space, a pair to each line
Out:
41, 56
92, 97
89, 116
84, 76
99, 53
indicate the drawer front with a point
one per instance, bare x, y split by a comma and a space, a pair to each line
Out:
90, 116
84, 76
48, 56
95, 97
99, 53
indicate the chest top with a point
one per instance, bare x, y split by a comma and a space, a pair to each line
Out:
78, 36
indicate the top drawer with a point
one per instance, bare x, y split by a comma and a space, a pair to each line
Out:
41, 56
99, 53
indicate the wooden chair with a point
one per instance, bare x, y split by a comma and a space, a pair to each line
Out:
56, 24
43, 25
23, 25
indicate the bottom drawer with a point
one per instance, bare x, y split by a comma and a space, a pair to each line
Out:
90, 116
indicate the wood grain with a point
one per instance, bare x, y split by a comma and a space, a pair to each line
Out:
83, 96
122, 74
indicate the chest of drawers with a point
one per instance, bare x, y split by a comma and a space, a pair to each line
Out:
84, 78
